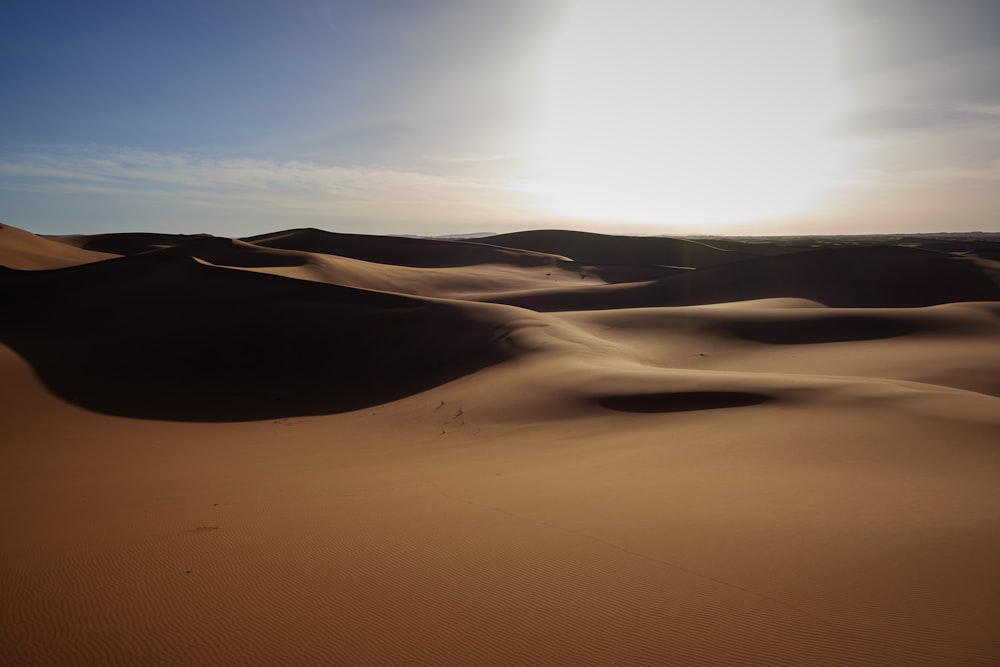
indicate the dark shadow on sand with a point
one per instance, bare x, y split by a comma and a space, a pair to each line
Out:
162, 336
680, 401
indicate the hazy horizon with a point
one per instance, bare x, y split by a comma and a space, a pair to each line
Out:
788, 117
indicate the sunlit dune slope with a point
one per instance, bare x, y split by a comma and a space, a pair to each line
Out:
168, 337
23, 250
952, 345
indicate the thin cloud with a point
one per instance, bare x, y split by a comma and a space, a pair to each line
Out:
305, 191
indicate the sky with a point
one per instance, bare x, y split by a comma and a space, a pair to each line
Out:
237, 117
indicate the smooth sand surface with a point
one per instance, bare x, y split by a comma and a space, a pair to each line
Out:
309, 448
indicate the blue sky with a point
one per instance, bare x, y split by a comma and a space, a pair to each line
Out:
443, 116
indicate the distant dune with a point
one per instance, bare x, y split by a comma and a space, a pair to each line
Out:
547, 447
890, 277
399, 250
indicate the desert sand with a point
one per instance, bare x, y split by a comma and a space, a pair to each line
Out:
551, 447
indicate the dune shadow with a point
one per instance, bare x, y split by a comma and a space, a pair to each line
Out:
679, 401
159, 336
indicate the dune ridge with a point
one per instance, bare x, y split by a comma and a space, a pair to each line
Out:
314, 448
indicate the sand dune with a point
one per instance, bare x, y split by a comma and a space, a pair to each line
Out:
25, 251
312, 448
128, 243
604, 249
401, 251
418, 267
162, 336
888, 277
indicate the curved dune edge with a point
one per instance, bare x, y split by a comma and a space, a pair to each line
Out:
166, 337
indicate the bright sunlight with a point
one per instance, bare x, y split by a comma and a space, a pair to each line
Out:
695, 113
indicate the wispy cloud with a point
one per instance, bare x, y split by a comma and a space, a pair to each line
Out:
308, 191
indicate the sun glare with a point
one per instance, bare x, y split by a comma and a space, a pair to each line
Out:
695, 113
